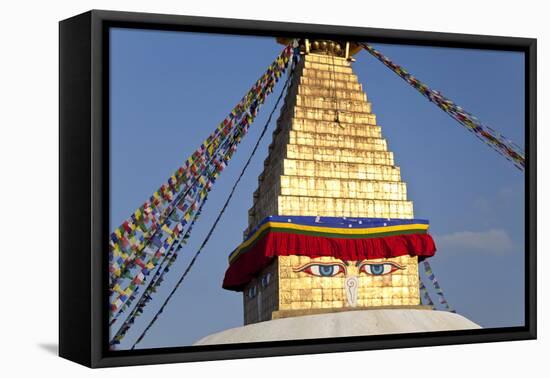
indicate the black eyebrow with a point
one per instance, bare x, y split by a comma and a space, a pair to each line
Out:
313, 262
396, 264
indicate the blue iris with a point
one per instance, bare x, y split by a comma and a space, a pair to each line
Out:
326, 270
377, 269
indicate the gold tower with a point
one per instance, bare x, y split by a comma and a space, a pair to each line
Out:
327, 158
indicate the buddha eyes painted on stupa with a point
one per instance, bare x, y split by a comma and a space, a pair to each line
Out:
379, 268
334, 268
322, 269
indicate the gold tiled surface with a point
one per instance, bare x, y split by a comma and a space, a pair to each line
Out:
309, 144
337, 140
339, 155
327, 60
330, 92
337, 170
332, 66
343, 207
284, 150
321, 114
299, 290
327, 127
328, 157
334, 84
332, 103
335, 188
330, 74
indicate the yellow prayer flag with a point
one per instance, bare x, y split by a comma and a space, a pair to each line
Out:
166, 229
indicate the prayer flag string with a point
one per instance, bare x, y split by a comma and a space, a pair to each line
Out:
152, 288
431, 276
174, 248
489, 136
425, 296
196, 195
204, 186
138, 245
224, 207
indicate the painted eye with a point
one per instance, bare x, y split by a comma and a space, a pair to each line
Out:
252, 292
379, 269
324, 270
266, 280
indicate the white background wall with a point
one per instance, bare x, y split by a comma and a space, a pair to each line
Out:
29, 185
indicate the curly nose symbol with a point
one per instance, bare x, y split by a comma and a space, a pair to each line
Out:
351, 285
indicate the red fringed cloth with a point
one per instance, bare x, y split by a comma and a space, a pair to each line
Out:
342, 238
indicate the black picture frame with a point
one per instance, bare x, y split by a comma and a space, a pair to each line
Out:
84, 195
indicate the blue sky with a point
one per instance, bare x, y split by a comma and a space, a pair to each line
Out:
169, 90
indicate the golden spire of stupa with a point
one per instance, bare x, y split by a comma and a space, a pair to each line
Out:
328, 158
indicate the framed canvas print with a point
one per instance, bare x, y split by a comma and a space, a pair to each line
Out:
235, 188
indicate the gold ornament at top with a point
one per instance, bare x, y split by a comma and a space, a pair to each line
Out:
343, 49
